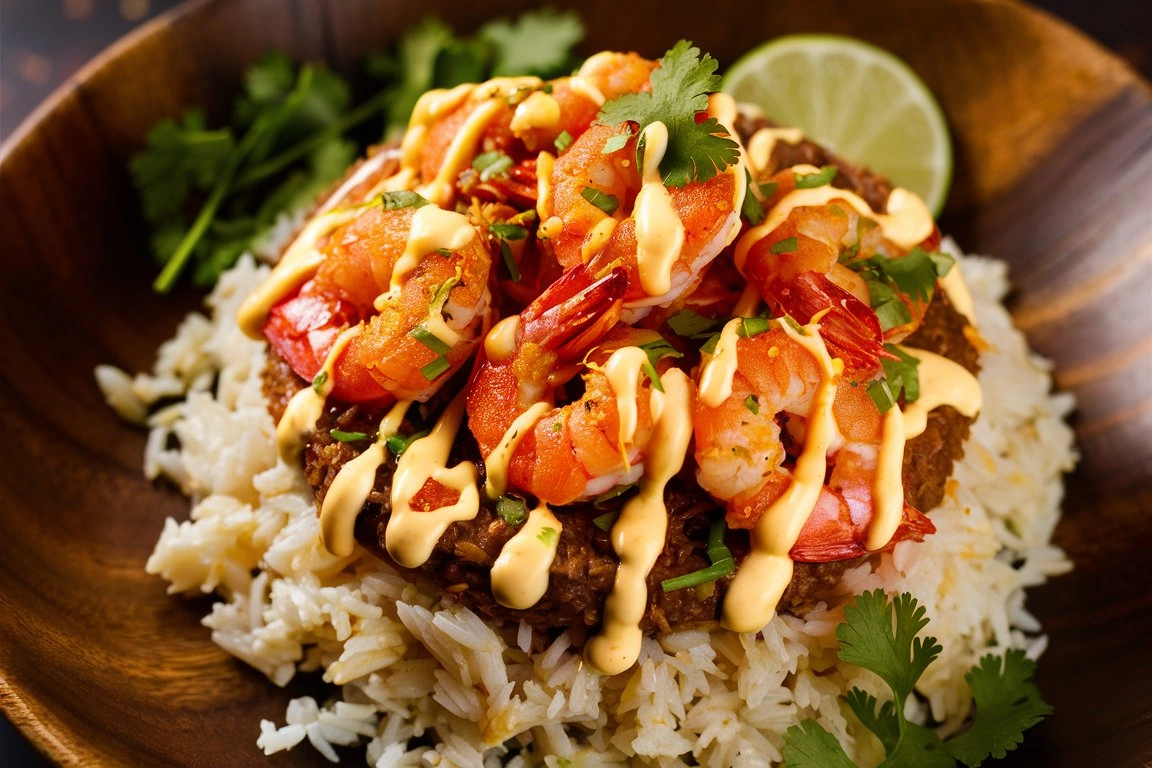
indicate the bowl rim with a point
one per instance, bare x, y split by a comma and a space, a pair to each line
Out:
14, 707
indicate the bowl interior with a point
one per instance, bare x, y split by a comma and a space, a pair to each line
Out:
1053, 174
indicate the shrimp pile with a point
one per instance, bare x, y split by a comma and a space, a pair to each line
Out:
537, 286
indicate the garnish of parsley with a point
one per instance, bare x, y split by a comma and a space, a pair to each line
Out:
697, 151
882, 637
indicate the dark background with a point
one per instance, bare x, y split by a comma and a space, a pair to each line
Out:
43, 42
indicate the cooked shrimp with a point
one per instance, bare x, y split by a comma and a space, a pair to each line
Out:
595, 217
800, 269
414, 280
511, 120
741, 448
581, 448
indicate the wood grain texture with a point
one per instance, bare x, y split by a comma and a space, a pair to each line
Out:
99, 666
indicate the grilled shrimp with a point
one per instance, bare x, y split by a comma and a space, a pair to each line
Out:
413, 280
585, 447
742, 458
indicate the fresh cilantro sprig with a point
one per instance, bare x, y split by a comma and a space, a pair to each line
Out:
913, 275
696, 151
211, 193
883, 637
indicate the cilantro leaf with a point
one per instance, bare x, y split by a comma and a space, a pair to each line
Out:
809, 745
680, 88
752, 211
898, 656
883, 722
692, 325
919, 747
539, 43
180, 156
1007, 703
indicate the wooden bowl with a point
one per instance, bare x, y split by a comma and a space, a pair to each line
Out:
1053, 173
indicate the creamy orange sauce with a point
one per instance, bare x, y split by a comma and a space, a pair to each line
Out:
411, 534
496, 465
766, 572
520, 574
306, 406
659, 231
349, 490
638, 535
720, 368
942, 382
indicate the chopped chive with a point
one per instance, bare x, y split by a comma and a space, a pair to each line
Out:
600, 501
617, 142
751, 327
435, 368
430, 340
445, 252
881, 394
347, 437
752, 403
751, 209
787, 245
604, 202
718, 554
691, 325
319, 382
512, 510
710, 346
506, 231
491, 164
509, 262
393, 201
768, 188
605, 521
547, 535
812, 180
563, 141
397, 444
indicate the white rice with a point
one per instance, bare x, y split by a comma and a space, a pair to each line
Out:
424, 681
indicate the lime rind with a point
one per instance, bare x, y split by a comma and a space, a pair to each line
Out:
858, 100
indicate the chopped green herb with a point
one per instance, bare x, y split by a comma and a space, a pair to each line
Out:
791, 321
751, 209
435, 368
601, 200
813, 180
696, 151
397, 444
402, 198
605, 521
617, 142
509, 261
751, 327
913, 275
902, 373
752, 403
787, 245
768, 188
445, 252
709, 346
506, 231
491, 164
512, 510
547, 535
562, 142
655, 350
348, 437
881, 394
882, 637
719, 555
691, 325
430, 340
538, 43
440, 296
319, 382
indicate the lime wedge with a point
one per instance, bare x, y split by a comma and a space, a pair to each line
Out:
859, 101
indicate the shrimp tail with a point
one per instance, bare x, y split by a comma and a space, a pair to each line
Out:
832, 532
849, 326
575, 311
